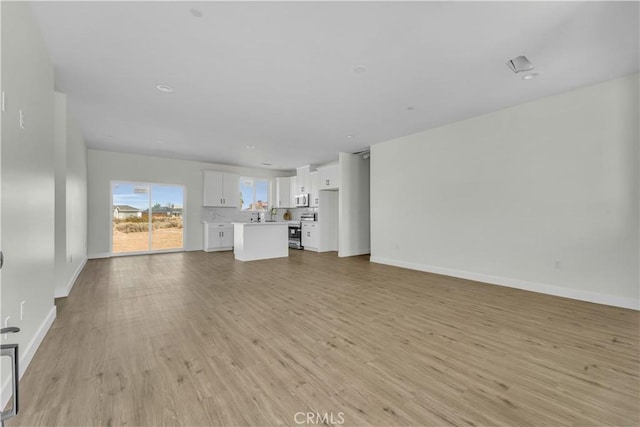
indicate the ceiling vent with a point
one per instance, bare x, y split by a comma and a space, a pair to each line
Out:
520, 64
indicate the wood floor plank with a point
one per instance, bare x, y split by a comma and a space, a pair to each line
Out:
198, 338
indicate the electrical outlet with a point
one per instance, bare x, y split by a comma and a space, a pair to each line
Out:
22, 309
21, 119
4, 103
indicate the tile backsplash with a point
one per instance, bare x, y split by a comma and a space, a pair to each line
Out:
235, 215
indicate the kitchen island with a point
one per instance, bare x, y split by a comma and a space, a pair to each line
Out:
260, 240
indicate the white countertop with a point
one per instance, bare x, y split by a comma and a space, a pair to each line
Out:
260, 223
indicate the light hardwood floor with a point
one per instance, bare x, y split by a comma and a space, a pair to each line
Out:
200, 339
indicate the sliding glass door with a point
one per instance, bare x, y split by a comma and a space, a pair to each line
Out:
166, 217
130, 232
146, 217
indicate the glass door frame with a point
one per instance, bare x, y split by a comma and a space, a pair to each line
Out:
150, 251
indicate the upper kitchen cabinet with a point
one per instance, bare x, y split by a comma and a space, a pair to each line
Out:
329, 177
221, 189
283, 192
231, 190
314, 190
303, 182
293, 191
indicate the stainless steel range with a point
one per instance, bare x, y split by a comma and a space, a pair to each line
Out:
295, 234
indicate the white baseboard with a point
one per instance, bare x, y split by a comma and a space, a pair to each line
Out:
559, 291
99, 255
72, 281
26, 355
354, 252
226, 248
327, 250
124, 254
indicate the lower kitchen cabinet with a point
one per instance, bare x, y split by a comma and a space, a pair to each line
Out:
310, 236
218, 236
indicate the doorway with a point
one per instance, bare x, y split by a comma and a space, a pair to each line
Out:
146, 218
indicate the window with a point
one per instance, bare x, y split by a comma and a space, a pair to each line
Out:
255, 194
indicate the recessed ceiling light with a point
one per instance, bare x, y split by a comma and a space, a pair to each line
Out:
349, 136
196, 13
265, 164
251, 147
410, 108
164, 88
530, 76
360, 69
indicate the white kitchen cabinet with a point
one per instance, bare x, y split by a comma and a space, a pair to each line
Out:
310, 235
304, 179
314, 190
301, 180
293, 191
221, 189
283, 192
212, 188
264, 240
231, 190
329, 177
226, 238
218, 236
306, 235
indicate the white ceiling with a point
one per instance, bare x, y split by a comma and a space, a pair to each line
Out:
281, 76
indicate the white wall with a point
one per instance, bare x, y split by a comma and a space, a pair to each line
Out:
76, 215
27, 184
60, 162
105, 166
71, 198
354, 218
328, 220
541, 196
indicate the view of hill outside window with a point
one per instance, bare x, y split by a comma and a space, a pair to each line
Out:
255, 194
146, 217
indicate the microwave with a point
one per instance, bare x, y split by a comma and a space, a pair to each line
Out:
302, 200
